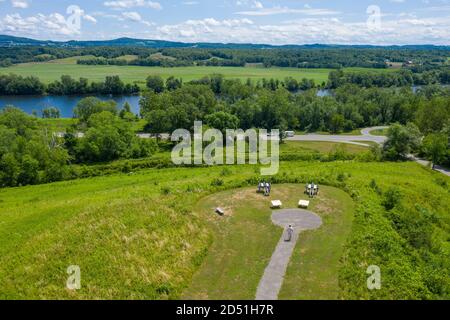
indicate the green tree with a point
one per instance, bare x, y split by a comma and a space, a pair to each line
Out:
106, 138
435, 146
433, 115
51, 112
88, 106
172, 83
291, 84
337, 123
155, 84
401, 141
126, 113
158, 121
9, 170
222, 120
113, 85
29, 173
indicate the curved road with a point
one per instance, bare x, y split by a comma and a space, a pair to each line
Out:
358, 140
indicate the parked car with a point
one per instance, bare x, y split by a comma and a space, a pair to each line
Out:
289, 134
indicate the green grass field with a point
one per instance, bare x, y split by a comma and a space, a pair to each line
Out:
58, 125
237, 269
141, 235
319, 146
52, 70
379, 132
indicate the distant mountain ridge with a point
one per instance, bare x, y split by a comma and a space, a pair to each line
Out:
11, 41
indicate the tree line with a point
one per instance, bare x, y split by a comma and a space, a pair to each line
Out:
30, 153
388, 79
230, 104
422, 59
11, 84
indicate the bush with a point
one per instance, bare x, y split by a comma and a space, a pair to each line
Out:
391, 198
373, 184
217, 182
165, 190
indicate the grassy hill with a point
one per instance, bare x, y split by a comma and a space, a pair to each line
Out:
142, 235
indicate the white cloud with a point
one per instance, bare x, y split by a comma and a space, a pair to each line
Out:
133, 16
22, 4
306, 25
250, 3
126, 4
124, 16
54, 24
309, 30
203, 29
257, 5
285, 10
90, 18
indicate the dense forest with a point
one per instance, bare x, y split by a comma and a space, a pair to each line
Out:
418, 59
223, 103
394, 79
30, 154
294, 58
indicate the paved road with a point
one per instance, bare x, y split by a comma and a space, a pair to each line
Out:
358, 140
365, 136
273, 277
427, 163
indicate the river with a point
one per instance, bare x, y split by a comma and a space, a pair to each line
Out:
65, 104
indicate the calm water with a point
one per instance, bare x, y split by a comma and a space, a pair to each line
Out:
65, 104
324, 93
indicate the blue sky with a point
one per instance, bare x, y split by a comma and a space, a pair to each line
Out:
381, 22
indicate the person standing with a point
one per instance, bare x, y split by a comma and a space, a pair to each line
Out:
289, 233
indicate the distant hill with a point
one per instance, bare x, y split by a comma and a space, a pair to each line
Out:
11, 41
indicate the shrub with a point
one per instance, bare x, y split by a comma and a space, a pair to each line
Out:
391, 198
165, 190
217, 182
373, 184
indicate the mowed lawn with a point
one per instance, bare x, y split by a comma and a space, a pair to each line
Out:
379, 132
233, 270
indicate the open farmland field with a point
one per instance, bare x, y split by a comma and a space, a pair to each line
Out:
53, 70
